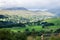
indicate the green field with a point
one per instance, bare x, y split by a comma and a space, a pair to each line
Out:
56, 21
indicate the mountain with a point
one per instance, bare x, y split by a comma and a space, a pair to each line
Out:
28, 14
55, 11
15, 8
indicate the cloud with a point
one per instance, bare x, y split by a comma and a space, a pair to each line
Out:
31, 4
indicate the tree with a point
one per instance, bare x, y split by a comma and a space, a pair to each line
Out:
5, 34
21, 36
57, 31
27, 32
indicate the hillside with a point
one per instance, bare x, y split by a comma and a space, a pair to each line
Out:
56, 21
15, 8
27, 14
17, 14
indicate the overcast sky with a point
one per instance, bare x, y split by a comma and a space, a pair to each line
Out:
30, 4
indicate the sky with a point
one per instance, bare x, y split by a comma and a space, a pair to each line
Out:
30, 4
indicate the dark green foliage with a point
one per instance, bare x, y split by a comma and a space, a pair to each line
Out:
57, 31
39, 33
45, 24
9, 35
33, 32
5, 34
3, 16
29, 23
27, 32
38, 22
21, 36
9, 24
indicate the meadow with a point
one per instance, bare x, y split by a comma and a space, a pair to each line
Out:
56, 21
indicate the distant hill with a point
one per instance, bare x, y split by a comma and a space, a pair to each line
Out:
55, 11
15, 8
28, 14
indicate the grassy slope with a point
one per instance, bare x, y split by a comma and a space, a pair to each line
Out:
56, 21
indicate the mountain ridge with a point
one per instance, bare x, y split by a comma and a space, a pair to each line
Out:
15, 8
